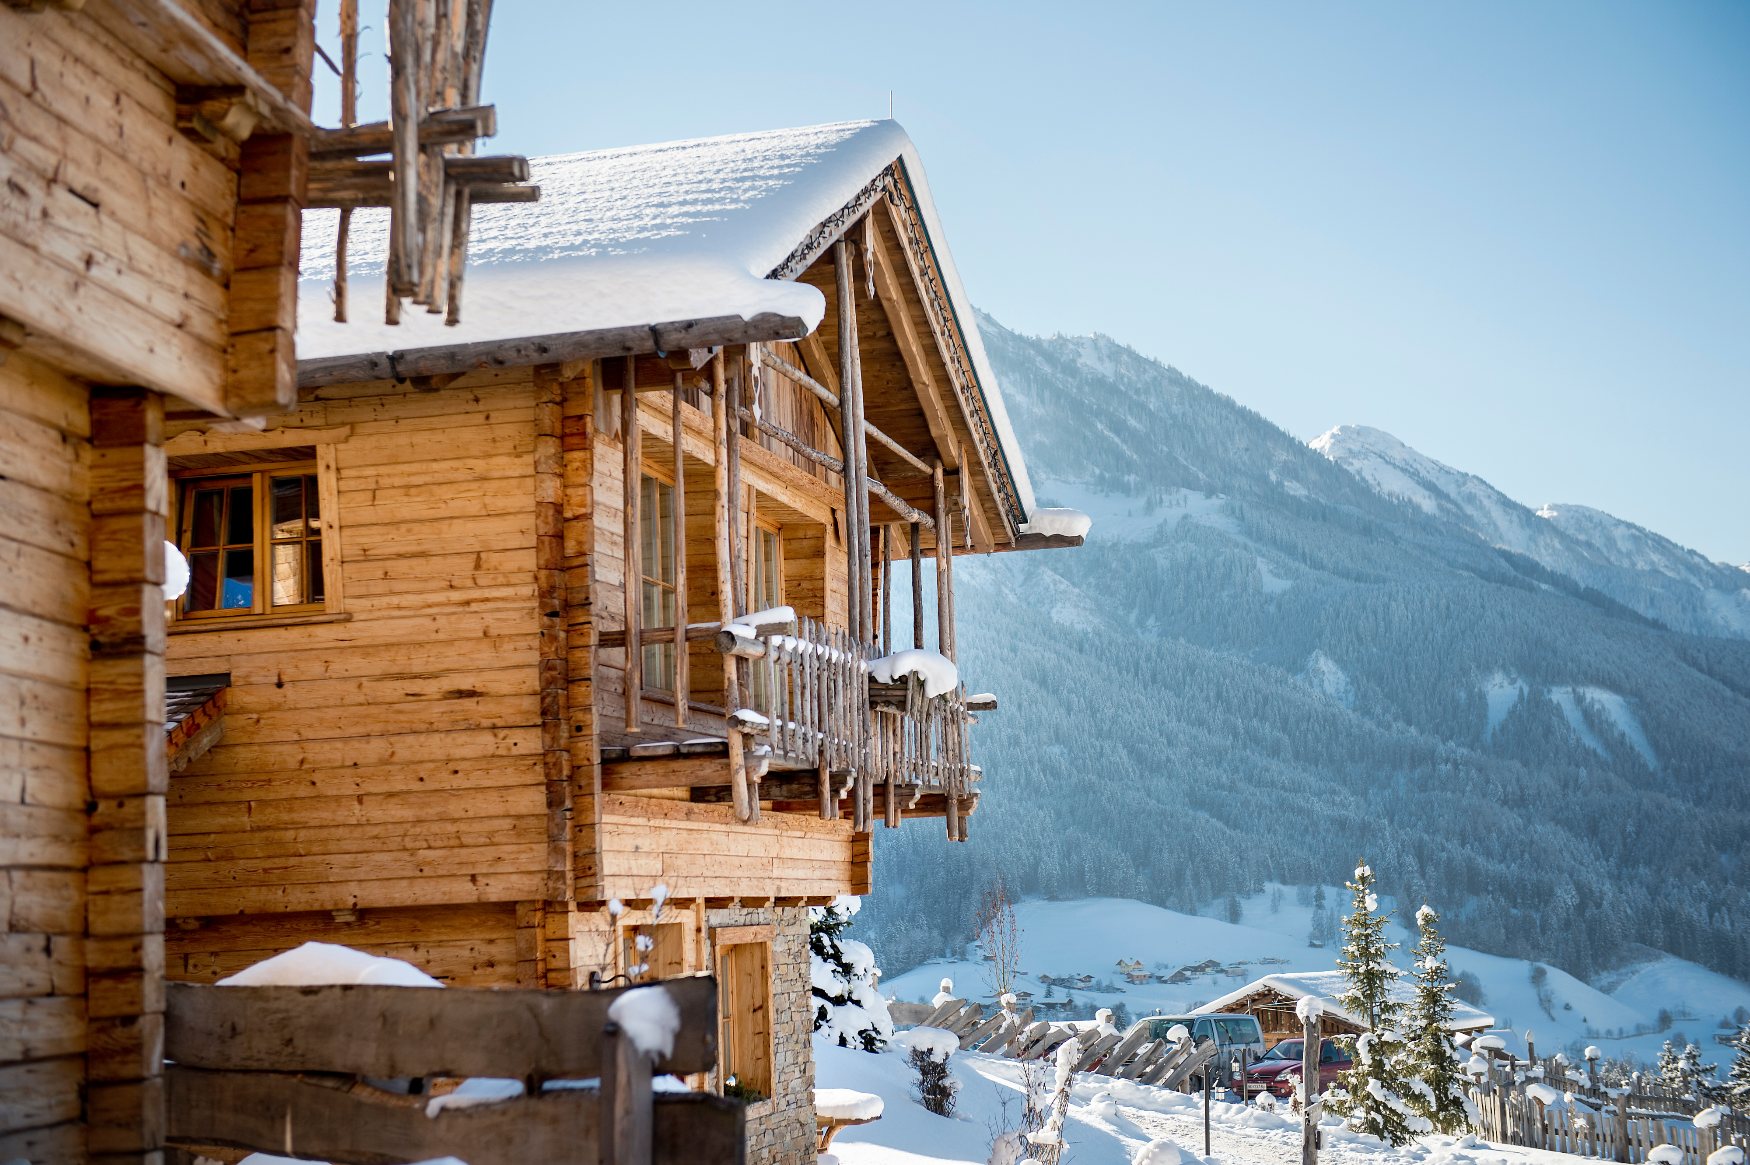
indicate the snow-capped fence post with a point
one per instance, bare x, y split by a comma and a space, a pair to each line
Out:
626, 1100
1309, 1010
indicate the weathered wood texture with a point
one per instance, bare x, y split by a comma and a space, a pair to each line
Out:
116, 231
45, 530
394, 1031
700, 850
347, 1128
397, 756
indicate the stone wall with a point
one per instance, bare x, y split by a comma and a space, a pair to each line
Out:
780, 1130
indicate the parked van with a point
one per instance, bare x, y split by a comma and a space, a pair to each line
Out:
1231, 1032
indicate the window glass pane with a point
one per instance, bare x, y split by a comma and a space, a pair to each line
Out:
238, 588
203, 582
208, 505
316, 592
288, 574
659, 667
239, 516
287, 500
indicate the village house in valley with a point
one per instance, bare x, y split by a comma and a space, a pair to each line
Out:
587, 641
1273, 999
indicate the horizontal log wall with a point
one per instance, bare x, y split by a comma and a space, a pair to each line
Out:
393, 758
115, 231
701, 851
44, 546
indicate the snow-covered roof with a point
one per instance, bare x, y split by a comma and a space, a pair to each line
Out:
1325, 986
642, 236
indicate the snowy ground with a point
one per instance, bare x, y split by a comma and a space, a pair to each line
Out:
1109, 1122
1088, 937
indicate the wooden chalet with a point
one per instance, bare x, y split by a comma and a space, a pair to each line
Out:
548, 650
156, 157
1273, 999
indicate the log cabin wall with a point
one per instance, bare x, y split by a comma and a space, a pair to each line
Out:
45, 530
380, 779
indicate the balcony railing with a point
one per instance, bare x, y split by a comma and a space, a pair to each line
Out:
811, 704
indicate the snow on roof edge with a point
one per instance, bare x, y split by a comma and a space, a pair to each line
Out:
1464, 1015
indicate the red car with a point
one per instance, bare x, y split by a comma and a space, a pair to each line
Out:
1278, 1073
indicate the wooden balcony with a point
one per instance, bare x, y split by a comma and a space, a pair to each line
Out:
816, 733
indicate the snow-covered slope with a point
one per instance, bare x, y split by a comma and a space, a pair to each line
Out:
1644, 571
1108, 1122
1088, 937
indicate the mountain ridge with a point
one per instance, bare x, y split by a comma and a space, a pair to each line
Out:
1259, 665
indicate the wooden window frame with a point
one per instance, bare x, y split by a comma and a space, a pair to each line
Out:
744, 1014
671, 585
259, 474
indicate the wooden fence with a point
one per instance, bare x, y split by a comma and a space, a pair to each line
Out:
1018, 1036
337, 1074
1590, 1120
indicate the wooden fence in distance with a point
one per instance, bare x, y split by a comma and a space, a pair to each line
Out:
1018, 1036
301, 1071
1590, 1120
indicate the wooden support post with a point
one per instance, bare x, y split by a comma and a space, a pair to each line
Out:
886, 590
626, 1134
632, 472
349, 55
856, 449
1309, 1090
682, 689
917, 586
126, 840
554, 623
944, 567
405, 109
723, 517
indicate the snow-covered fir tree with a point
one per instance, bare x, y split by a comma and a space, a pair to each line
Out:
1737, 1086
1670, 1066
1698, 1077
847, 1005
1432, 1061
1375, 1085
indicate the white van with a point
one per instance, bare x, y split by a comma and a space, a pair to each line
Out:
1230, 1031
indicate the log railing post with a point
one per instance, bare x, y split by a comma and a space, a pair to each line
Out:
677, 425
722, 518
917, 586
944, 566
856, 448
632, 471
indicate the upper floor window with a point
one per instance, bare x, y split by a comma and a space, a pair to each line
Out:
253, 541
657, 595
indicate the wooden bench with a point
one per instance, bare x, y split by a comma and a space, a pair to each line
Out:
840, 1108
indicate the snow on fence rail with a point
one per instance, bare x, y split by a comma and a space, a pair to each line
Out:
815, 704
285, 1070
1546, 1104
1018, 1036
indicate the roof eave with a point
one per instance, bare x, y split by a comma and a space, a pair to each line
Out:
555, 348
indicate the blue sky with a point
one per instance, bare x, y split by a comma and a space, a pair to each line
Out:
1515, 235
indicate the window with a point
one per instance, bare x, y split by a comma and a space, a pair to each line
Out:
655, 951
744, 1037
765, 590
253, 542
657, 547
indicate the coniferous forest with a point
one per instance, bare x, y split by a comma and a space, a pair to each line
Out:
1259, 667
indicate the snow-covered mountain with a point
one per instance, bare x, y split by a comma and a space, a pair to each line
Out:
1644, 571
1261, 666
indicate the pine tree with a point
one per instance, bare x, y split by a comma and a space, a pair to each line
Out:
1737, 1086
1437, 1087
846, 1002
1698, 1078
1670, 1067
1375, 1086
